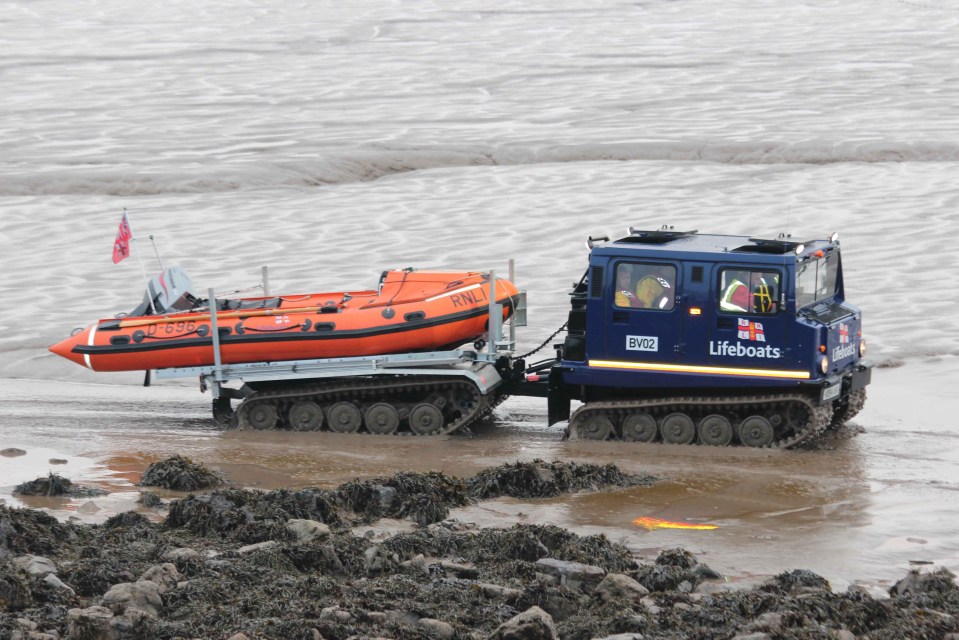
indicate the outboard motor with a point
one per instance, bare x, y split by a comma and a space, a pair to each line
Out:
170, 291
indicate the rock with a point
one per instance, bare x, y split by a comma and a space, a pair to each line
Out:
373, 559
377, 617
916, 582
842, 634
388, 496
623, 636
14, 593
179, 473
336, 614
752, 636
435, 628
571, 574
307, 530
12, 452
142, 596
57, 461
164, 575
651, 607
416, 564
560, 603
496, 591
239, 636
532, 624
55, 582
771, 621
259, 546
468, 571
35, 565
703, 572
92, 623
617, 586
89, 508
181, 554
716, 587
402, 618
150, 499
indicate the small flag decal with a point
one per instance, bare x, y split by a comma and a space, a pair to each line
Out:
749, 330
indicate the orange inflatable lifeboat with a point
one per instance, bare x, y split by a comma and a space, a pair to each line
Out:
408, 311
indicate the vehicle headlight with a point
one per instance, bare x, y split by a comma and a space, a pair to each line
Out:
824, 364
862, 348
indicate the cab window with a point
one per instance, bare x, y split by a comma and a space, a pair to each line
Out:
747, 291
645, 286
817, 279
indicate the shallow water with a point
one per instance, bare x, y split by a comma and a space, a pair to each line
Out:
331, 142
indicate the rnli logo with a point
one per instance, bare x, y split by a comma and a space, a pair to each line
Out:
752, 331
845, 349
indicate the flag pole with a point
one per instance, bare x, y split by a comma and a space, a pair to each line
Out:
136, 252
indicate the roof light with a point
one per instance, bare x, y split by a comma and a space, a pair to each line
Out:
834, 237
800, 248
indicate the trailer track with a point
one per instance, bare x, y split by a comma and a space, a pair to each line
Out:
402, 404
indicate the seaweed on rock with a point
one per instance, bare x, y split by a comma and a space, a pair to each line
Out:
180, 473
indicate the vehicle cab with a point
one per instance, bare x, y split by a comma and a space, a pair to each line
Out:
683, 312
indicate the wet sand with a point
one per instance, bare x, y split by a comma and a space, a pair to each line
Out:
864, 506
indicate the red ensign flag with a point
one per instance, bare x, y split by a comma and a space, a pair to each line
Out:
121, 246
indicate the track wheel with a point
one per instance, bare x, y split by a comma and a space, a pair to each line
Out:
715, 430
382, 418
757, 431
344, 417
595, 427
305, 416
426, 419
639, 427
262, 415
678, 428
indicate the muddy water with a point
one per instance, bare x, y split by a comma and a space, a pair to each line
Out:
864, 506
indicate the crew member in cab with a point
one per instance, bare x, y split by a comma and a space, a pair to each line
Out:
625, 294
645, 286
748, 291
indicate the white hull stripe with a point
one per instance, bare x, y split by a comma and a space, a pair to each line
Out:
86, 356
682, 368
454, 291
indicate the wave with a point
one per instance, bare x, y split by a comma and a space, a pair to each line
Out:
375, 162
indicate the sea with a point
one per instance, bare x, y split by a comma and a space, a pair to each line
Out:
330, 141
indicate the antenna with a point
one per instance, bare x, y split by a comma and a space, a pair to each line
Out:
156, 251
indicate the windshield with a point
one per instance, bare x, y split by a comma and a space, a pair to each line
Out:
817, 279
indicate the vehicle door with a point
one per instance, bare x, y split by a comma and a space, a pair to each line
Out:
643, 312
749, 328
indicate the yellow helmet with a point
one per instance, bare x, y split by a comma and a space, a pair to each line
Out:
762, 301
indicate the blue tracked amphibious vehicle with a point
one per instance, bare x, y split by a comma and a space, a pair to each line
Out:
685, 337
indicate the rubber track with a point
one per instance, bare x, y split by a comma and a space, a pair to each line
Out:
854, 404
353, 392
819, 417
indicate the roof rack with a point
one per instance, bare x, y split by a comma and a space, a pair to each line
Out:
780, 245
658, 236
